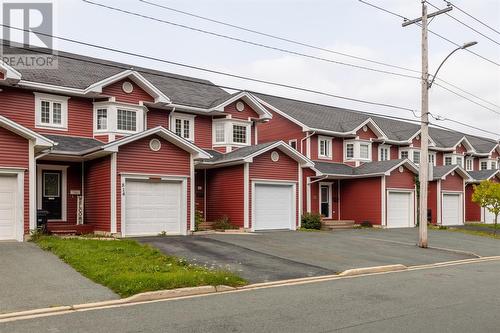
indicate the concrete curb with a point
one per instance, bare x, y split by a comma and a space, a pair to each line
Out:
375, 269
35, 312
166, 294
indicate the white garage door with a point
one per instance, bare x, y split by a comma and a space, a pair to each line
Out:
452, 209
400, 212
153, 207
8, 207
274, 207
489, 217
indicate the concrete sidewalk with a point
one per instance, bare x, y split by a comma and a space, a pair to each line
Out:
32, 278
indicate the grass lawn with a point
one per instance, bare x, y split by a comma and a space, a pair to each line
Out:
469, 231
128, 268
489, 225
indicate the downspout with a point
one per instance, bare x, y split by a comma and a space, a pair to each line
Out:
169, 125
44, 153
303, 139
317, 180
83, 192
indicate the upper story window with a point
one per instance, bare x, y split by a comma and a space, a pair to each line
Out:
411, 154
447, 160
324, 147
358, 150
460, 161
484, 165
493, 165
488, 164
416, 157
432, 158
404, 154
183, 126
117, 118
231, 132
469, 164
384, 153
293, 144
127, 120
51, 111
452, 159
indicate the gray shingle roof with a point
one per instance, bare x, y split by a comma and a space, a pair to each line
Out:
370, 168
78, 71
482, 174
482, 145
237, 154
439, 171
72, 144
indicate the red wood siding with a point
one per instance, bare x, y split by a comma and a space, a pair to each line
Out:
19, 106
405, 179
472, 209
14, 153
97, 193
137, 157
432, 196
476, 164
314, 147
264, 168
115, 90
375, 156
361, 200
439, 158
225, 194
495, 154
103, 138
157, 117
369, 134
247, 112
394, 153
199, 186
280, 128
461, 149
203, 132
416, 142
452, 183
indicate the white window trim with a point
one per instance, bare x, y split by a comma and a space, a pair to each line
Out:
454, 159
471, 160
290, 144
228, 132
357, 151
488, 162
64, 186
330, 199
329, 154
63, 100
411, 152
434, 157
112, 117
380, 148
183, 117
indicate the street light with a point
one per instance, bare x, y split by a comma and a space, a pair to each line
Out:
466, 45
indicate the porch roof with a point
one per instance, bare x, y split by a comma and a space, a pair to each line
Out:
483, 174
378, 168
73, 145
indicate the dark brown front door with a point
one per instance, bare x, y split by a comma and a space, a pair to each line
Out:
51, 194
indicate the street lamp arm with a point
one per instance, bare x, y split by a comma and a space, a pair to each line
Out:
466, 45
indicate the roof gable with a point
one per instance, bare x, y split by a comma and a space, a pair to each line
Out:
248, 98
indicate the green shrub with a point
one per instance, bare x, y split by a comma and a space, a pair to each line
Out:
311, 221
198, 219
366, 224
223, 223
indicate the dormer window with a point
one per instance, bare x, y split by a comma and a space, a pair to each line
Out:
231, 132
239, 134
117, 118
454, 159
358, 150
127, 120
51, 111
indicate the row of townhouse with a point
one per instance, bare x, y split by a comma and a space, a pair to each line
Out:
107, 147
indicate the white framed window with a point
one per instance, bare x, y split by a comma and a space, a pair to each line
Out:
484, 165
404, 154
384, 153
126, 120
432, 159
239, 133
448, 160
183, 126
51, 111
102, 119
231, 132
219, 132
416, 157
469, 164
358, 150
293, 143
460, 161
324, 147
349, 151
494, 165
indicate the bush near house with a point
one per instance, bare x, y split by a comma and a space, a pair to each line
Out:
487, 195
128, 268
311, 221
223, 223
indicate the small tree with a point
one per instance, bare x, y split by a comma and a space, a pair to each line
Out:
487, 195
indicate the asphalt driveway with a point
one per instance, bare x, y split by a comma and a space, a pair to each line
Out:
270, 256
31, 278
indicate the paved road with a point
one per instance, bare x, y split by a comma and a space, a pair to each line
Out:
448, 299
273, 256
31, 278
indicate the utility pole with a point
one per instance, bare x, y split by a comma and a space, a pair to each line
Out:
424, 128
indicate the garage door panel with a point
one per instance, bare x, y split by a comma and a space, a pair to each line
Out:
400, 212
489, 217
452, 209
152, 208
8, 207
274, 208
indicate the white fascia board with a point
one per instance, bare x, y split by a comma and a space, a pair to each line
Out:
134, 76
9, 72
51, 88
281, 145
460, 170
407, 163
165, 134
464, 139
12, 126
250, 100
373, 126
333, 133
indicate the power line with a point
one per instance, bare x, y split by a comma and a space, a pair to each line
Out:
309, 45
145, 71
441, 118
470, 100
305, 44
472, 17
432, 32
466, 25
464, 91
249, 42
124, 11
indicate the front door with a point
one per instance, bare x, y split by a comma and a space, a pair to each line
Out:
51, 194
325, 200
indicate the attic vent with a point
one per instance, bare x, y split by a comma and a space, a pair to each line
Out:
275, 157
155, 144
401, 169
240, 106
365, 128
127, 87
417, 137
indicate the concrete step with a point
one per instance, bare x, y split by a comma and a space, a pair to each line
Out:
336, 224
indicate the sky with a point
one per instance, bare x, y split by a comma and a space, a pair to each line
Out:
347, 26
